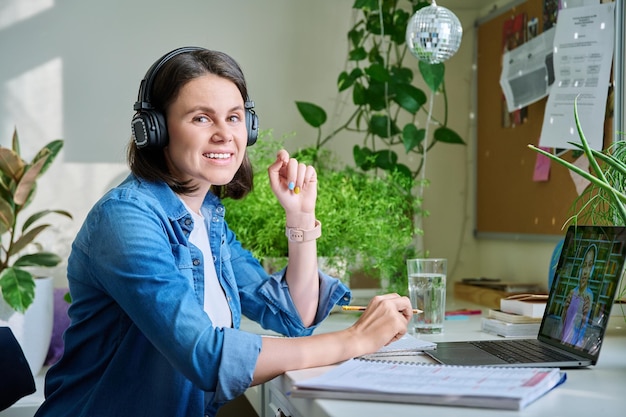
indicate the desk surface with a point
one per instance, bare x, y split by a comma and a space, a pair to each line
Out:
593, 391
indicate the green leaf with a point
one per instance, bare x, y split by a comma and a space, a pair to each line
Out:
381, 126
18, 288
375, 94
412, 136
49, 153
359, 95
355, 36
26, 238
345, 80
421, 4
313, 114
375, 57
363, 157
47, 259
372, 25
378, 72
433, 74
386, 159
357, 54
409, 97
444, 134
398, 29
405, 172
401, 75
32, 219
365, 4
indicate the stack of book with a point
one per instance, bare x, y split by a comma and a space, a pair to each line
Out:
518, 316
510, 325
531, 305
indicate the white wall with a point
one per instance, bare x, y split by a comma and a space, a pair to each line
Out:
71, 69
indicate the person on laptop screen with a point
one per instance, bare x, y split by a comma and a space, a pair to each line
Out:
577, 306
586, 279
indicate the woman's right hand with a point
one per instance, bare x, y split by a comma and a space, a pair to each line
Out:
385, 320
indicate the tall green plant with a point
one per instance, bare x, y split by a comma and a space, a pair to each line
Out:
390, 112
18, 184
604, 201
366, 219
607, 180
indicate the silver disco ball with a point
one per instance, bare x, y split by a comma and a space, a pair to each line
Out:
433, 34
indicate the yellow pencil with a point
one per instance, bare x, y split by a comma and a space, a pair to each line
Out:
363, 308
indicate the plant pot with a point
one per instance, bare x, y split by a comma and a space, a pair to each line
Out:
33, 329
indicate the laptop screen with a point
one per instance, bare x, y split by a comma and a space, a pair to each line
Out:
584, 287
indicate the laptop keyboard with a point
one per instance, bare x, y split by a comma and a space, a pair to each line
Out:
520, 351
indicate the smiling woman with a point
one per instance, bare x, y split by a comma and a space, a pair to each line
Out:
159, 282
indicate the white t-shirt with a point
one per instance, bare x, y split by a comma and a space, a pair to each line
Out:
215, 304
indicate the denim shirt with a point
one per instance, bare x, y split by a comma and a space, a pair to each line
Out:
140, 343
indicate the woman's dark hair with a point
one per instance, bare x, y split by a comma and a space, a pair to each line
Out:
149, 163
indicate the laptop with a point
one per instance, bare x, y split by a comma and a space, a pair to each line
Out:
576, 315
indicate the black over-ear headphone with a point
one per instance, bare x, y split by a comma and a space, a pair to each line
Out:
149, 128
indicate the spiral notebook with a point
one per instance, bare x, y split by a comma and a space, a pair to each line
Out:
407, 345
425, 383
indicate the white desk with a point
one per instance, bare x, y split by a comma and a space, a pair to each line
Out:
597, 391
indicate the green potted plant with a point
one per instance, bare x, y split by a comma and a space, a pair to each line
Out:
390, 112
604, 201
366, 219
18, 184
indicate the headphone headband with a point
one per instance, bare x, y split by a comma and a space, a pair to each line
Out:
143, 99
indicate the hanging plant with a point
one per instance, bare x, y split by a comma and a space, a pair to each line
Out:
390, 112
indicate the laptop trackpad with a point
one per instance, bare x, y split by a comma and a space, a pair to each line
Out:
461, 353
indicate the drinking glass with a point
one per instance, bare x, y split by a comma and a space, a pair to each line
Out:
427, 291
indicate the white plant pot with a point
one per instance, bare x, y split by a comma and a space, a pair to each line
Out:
33, 329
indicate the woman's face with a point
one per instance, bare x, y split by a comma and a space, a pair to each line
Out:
207, 132
587, 267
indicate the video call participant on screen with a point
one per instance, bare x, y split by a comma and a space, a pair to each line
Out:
577, 306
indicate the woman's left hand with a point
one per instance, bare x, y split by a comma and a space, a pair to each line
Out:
293, 183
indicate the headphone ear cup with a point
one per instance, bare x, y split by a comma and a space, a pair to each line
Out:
252, 124
149, 129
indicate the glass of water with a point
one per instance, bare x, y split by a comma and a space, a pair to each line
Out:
427, 291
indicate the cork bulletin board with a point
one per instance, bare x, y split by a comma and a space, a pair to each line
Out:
509, 202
